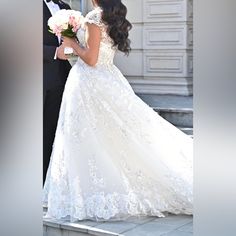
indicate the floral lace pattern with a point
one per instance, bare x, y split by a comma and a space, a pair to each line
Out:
107, 51
113, 156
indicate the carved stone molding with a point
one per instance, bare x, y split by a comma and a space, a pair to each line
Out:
180, 86
166, 63
165, 11
165, 36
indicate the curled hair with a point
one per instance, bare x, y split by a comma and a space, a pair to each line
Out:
118, 27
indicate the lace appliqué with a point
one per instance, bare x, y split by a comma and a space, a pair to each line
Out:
94, 17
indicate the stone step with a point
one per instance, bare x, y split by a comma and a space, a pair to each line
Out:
181, 117
188, 131
133, 226
178, 110
53, 227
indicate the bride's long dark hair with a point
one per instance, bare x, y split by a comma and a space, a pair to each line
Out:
114, 16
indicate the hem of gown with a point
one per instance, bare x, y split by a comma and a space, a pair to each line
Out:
116, 217
73, 219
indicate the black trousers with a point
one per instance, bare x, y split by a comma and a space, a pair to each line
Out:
51, 109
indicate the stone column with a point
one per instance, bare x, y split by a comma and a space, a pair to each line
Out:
162, 42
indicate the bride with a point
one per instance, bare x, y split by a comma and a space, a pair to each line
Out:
113, 156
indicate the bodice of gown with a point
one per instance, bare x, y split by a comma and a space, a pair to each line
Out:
106, 50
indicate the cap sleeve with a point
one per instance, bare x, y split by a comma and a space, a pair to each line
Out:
94, 17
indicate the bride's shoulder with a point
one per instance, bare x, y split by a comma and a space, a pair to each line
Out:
94, 16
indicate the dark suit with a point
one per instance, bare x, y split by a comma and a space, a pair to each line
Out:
55, 73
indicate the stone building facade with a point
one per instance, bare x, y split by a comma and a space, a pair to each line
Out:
161, 61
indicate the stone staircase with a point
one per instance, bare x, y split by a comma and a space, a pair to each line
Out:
178, 110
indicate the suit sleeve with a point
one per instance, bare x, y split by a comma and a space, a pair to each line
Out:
49, 52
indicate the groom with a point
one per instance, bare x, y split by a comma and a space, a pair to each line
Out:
55, 71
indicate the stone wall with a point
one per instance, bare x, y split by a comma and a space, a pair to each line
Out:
162, 40
161, 61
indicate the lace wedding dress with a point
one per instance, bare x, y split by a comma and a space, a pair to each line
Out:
113, 156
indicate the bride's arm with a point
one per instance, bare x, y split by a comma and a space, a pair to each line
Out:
89, 54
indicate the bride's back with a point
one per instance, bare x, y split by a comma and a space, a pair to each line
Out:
106, 50
110, 16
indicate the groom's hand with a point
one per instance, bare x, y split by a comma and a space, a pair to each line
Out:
60, 53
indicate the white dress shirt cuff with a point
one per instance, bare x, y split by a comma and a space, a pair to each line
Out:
55, 56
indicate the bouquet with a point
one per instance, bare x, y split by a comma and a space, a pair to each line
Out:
66, 23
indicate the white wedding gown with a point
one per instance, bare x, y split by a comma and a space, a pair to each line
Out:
113, 156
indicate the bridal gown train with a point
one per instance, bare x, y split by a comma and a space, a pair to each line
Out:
113, 156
